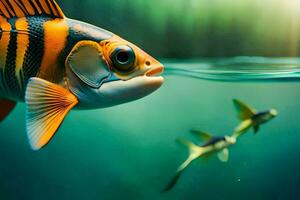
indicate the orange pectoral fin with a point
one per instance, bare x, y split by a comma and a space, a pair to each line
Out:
47, 106
6, 107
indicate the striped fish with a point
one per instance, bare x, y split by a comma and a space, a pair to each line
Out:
55, 64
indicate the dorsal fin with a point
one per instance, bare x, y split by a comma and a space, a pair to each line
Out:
202, 135
244, 111
24, 8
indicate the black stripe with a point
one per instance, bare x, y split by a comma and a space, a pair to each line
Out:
40, 6
21, 6
51, 11
22, 79
75, 36
35, 51
2, 83
11, 7
2, 89
10, 65
33, 6
54, 6
9, 13
0, 32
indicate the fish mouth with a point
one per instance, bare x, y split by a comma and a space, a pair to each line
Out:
153, 76
155, 71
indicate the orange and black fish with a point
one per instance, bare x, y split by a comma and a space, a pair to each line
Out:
56, 64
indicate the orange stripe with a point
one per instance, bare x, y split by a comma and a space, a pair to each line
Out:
28, 7
37, 7
45, 7
52, 8
3, 9
55, 37
3, 21
4, 42
22, 45
17, 9
61, 14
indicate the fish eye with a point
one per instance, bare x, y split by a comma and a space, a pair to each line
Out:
123, 58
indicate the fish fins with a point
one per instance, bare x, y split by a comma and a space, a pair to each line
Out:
195, 152
244, 111
47, 106
6, 106
179, 171
92, 71
202, 135
173, 182
193, 149
223, 155
256, 128
24, 8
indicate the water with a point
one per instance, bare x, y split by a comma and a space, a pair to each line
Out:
129, 151
239, 69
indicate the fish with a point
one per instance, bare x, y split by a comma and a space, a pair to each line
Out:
251, 118
56, 64
212, 144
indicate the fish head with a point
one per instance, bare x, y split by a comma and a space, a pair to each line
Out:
230, 140
122, 73
268, 115
273, 113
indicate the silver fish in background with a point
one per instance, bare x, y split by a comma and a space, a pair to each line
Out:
220, 144
212, 144
251, 118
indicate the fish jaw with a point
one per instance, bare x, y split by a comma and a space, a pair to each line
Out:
119, 92
116, 92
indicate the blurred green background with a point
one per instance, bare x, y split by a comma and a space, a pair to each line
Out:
198, 28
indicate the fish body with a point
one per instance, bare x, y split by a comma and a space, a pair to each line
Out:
37, 46
251, 118
213, 141
263, 117
216, 144
55, 64
213, 144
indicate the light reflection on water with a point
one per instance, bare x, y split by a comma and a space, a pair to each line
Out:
238, 69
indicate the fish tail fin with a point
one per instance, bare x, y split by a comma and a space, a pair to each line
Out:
194, 152
172, 183
179, 171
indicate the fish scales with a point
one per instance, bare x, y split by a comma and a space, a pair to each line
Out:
39, 59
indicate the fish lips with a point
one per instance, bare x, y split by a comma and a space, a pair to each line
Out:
118, 92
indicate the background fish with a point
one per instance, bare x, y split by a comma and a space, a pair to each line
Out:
213, 144
56, 64
251, 118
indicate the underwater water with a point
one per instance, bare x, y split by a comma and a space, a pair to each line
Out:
129, 151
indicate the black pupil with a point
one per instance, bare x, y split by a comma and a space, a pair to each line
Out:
123, 57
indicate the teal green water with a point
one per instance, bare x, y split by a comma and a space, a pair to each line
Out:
129, 151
